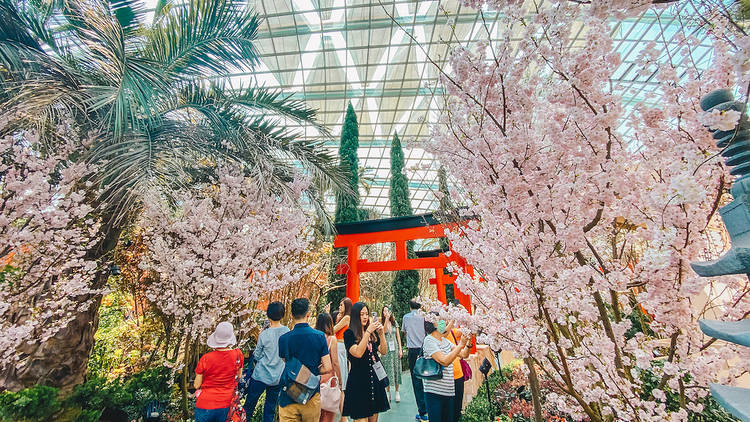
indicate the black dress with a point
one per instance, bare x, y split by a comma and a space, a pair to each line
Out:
365, 395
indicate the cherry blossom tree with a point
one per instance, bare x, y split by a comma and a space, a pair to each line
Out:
219, 250
587, 213
46, 229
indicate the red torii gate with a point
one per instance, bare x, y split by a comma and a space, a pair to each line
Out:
399, 230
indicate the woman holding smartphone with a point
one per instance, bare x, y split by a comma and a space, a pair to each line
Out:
365, 387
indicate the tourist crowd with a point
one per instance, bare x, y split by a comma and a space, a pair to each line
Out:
346, 365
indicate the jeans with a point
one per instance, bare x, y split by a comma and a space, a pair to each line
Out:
459, 398
211, 415
439, 408
416, 383
254, 390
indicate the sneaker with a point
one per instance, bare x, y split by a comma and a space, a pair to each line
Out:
418, 418
424, 418
398, 397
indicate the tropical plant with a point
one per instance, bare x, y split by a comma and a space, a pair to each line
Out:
405, 284
150, 98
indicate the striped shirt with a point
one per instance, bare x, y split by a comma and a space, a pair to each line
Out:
443, 386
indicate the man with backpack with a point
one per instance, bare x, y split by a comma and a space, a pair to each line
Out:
305, 353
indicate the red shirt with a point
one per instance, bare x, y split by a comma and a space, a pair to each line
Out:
219, 369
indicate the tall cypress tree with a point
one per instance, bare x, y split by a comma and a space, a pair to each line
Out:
347, 203
406, 282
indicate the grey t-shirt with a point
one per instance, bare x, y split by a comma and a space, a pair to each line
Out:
269, 365
413, 325
443, 386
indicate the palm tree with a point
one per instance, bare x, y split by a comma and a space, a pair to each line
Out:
151, 100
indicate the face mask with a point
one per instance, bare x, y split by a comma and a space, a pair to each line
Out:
441, 326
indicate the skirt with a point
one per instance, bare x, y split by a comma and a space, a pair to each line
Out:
343, 363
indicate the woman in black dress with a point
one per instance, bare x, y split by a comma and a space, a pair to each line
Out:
366, 384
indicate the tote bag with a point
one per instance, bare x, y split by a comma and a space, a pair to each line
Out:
330, 392
330, 395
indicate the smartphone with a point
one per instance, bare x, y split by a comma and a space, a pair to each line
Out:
374, 315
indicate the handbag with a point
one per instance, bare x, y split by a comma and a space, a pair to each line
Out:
330, 393
465, 367
236, 411
427, 368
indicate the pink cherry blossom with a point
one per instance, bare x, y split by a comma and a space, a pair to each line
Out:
220, 250
46, 229
588, 212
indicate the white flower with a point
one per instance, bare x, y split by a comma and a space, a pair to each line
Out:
720, 119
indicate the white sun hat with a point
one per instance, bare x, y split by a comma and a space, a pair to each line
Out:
223, 336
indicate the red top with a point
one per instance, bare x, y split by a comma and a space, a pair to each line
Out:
340, 333
219, 369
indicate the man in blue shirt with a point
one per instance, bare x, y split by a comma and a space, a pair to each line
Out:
269, 366
413, 326
309, 346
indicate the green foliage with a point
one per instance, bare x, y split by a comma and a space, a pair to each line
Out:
479, 409
106, 354
130, 395
37, 403
399, 193
406, 283
405, 287
347, 202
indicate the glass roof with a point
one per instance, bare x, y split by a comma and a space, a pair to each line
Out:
332, 52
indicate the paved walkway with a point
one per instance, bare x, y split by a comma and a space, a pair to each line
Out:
407, 408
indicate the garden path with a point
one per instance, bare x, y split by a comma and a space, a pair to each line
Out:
407, 408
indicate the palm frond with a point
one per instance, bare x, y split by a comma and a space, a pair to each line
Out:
264, 100
205, 36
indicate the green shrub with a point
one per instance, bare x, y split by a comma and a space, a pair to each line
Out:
480, 408
130, 395
37, 403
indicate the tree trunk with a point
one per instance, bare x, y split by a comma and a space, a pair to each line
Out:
62, 360
536, 396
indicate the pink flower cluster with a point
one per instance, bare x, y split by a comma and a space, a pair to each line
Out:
46, 229
219, 250
582, 230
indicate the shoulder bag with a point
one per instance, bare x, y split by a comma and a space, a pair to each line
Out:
298, 382
236, 411
427, 368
